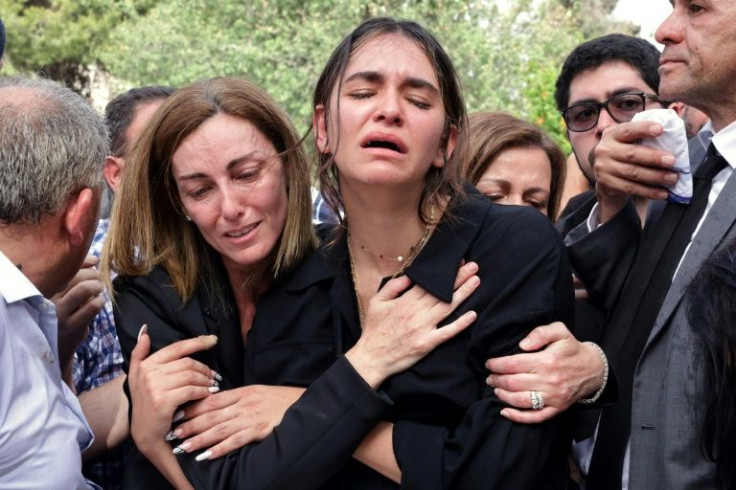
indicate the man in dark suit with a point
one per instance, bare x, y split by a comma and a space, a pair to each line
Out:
652, 437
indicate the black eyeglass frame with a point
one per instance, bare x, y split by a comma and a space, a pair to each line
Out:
604, 105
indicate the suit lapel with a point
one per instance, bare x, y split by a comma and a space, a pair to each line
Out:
716, 227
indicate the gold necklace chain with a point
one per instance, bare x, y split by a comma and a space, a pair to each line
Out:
414, 251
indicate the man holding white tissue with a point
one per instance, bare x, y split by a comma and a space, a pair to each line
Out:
603, 82
652, 437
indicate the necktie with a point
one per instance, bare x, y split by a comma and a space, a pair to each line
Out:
631, 323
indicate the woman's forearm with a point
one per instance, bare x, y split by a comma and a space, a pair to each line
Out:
165, 462
377, 452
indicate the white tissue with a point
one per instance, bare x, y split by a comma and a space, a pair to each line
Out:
673, 140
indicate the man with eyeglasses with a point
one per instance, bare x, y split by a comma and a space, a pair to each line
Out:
603, 82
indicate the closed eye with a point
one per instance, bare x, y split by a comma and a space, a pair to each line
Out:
198, 193
250, 176
420, 104
537, 204
360, 95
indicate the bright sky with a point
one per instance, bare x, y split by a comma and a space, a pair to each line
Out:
646, 13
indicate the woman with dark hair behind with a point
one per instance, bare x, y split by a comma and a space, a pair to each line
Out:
712, 316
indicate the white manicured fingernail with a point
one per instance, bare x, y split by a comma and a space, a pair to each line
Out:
214, 389
178, 415
181, 448
203, 456
143, 330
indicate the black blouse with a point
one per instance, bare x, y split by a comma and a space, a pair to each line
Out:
448, 430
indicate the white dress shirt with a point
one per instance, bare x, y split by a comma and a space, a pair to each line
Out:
42, 429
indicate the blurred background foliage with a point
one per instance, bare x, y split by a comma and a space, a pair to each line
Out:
508, 52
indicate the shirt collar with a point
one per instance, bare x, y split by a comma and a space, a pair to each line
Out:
14, 285
725, 142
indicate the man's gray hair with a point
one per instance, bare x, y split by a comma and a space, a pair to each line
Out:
52, 145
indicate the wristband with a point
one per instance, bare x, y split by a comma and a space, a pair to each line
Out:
597, 394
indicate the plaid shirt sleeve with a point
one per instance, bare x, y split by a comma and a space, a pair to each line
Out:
98, 358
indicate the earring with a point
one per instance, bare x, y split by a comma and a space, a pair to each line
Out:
187, 217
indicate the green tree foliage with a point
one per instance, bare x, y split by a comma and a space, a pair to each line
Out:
507, 53
60, 38
282, 45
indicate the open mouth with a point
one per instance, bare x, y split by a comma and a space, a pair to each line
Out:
384, 141
383, 144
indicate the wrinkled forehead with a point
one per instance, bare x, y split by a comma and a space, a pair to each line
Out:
375, 49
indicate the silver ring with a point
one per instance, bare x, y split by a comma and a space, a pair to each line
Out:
537, 400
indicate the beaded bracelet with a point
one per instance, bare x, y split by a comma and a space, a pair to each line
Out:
597, 394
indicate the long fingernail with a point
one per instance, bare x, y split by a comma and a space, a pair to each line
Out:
178, 415
217, 376
214, 389
203, 456
182, 448
144, 329
209, 341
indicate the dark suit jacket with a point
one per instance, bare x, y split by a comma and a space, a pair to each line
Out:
448, 431
665, 450
577, 209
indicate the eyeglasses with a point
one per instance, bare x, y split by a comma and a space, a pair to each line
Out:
622, 108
